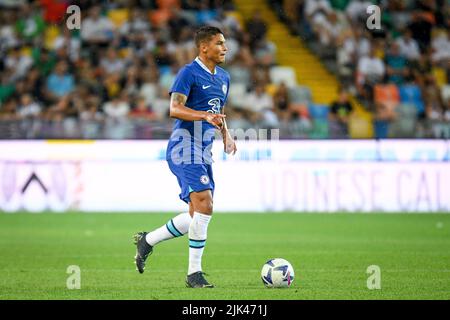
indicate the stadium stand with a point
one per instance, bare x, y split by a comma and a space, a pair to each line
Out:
110, 79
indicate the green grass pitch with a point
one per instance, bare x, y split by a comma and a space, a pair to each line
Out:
330, 254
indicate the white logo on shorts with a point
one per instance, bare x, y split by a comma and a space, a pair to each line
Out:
204, 179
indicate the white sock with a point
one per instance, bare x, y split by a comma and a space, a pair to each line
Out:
175, 227
197, 240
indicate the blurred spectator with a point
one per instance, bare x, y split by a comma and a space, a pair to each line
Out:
329, 27
111, 62
7, 87
8, 110
260, 107
264, 52
34, 83
167, 78
8, 37
163, 57
371, 70
340, 113
227, 23
186, 50
95, 28
396, 65
244, 57
260, 75
205, 14
281, 103
315, 7
19, 62
131, 82
62, 109
142, 111
8, 4
432, 95
91, 112
421, 26
420, 68
357, 10
28, 108
54, 10
256, 27
382, 118
441, 48
31, 24
137, 28
117, 108
409, 47
177, 23
60, 82
66, 41
44, 60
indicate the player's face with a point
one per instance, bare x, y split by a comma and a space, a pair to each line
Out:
216, 49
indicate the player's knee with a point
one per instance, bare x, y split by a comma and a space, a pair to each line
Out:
205, 205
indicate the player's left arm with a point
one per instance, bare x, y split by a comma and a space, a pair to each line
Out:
228, 142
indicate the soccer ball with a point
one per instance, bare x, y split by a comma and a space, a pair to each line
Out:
277, 273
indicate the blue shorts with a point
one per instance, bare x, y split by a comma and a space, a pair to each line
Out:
192, 178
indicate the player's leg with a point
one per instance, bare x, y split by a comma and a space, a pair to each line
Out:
145, 241
202, 204
176, 227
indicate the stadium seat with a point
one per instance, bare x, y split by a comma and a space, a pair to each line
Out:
118, 16
300, 94
51, 33
411, 94
445, 92
271, 89
440, 75
283, 74
318, 112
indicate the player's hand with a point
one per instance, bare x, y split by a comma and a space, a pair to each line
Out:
229, 145
215, 119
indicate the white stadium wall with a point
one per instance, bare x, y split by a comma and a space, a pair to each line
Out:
300, 176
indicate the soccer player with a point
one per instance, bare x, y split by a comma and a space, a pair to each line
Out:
198, 96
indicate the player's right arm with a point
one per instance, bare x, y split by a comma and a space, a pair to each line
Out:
178, 110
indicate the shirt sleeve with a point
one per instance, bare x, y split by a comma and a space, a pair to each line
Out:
183, 82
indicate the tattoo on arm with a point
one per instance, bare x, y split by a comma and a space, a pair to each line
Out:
179, 98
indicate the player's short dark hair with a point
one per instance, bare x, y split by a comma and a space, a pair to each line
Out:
205, 33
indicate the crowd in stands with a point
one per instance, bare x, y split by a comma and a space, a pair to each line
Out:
111, 77
400, 72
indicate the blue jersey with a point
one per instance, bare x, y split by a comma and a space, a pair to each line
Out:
205, 91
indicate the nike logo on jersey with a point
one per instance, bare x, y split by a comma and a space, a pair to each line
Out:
206, 87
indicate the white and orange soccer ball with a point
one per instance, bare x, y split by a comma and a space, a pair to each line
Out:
277, 273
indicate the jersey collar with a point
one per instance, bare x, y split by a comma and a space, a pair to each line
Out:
201, 64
